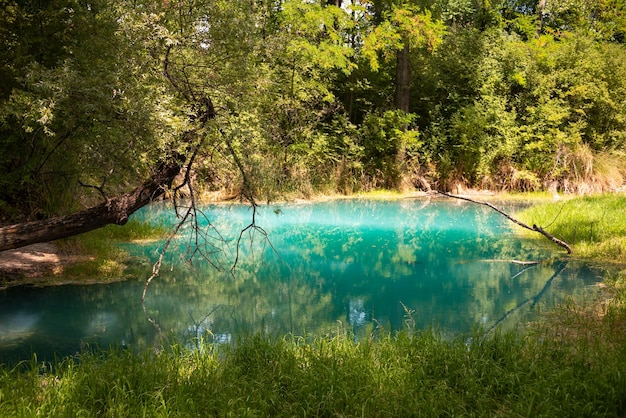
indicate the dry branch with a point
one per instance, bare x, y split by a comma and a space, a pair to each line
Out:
534, 299
534, 228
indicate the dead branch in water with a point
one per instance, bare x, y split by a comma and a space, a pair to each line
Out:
534, 228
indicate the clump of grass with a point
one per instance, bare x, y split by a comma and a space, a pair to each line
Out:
594, 225
418, 374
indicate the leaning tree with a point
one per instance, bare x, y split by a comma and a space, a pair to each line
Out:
110, 101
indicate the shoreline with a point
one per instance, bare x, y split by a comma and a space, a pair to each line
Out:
35, 264
42, 264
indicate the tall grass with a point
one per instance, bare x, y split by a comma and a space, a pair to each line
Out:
418, 374
594, 225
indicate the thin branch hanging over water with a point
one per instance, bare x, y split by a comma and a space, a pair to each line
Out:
534, 228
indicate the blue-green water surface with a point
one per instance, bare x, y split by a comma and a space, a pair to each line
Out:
307, 269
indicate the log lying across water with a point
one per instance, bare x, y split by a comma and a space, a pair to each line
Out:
534, 227
114, 211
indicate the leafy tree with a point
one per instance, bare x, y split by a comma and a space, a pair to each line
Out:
600, 19
70, 109
290, 129
401, 29
93, 110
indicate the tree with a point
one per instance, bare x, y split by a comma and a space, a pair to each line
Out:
403, 28
290, 129
599, 19
91, 113
65, 105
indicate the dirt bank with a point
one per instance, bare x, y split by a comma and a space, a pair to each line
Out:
31, 264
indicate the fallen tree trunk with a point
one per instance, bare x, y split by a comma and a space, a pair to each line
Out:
534, 228
113, 211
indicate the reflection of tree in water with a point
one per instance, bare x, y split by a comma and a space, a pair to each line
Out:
345, 264
533, 300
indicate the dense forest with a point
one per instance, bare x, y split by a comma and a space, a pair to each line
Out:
274, 98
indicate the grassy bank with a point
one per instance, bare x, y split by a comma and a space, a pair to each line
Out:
594, 226
405, 375
100, 255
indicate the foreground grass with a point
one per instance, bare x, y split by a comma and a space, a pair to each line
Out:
404, 375
595, 226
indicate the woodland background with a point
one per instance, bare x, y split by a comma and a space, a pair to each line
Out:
308, 97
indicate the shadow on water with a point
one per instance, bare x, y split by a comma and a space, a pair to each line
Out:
350, 264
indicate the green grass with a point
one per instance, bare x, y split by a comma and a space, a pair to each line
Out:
594, 226
100, 255
417, 374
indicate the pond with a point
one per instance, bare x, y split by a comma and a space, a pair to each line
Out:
353, 265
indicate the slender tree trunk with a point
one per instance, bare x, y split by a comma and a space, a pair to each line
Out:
403, 96
403, 79
540, 7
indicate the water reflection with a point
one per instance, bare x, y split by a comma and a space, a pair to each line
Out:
342, 263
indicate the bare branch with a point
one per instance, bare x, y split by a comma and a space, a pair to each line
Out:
534, 228
100, 189
171, 78
156, 269
533, 299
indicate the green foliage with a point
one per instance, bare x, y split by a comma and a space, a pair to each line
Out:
601, 19
290, 130
74, 111
535, 104
403, 25
503, 95
383, 138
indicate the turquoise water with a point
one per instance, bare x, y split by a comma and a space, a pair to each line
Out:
313, 268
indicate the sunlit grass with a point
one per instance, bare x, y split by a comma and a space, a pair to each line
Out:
99, 254
532, 197
595, 226
382, 194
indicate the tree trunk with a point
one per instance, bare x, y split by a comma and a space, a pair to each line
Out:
113, 211
403, 95
403, 79
540, 7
